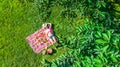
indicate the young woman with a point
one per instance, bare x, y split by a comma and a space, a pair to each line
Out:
50, 37
49, 33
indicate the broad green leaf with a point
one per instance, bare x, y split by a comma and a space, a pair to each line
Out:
104, 49
109, 34
77, 64
102, 15
87, 65
89, 1
100, 41
97, 61
53, 64
105, 37
88, 59
113, 59
98, 65
99, 34
103, 4
98, 4
83, 63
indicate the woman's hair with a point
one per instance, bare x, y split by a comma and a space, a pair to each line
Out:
48, 26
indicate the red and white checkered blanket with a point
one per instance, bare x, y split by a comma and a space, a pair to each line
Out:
39, 41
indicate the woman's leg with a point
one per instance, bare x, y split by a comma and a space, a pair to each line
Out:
54, 39
51, 41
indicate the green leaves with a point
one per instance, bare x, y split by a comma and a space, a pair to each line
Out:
54, 65
113, 59
109, 34
104, 49
100, 4
98, 34
103, 38
100, 41
97, 62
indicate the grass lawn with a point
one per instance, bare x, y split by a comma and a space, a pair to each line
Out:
17, 21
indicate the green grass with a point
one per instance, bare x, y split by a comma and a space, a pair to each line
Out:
17, 21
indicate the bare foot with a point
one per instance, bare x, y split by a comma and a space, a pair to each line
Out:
44, 52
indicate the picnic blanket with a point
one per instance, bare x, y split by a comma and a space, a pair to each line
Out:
40, 40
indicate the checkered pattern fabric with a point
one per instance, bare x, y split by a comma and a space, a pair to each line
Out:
38, 41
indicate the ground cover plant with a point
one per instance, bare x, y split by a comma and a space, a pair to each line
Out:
88, 32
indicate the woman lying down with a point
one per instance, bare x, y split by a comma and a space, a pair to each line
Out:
50, 36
